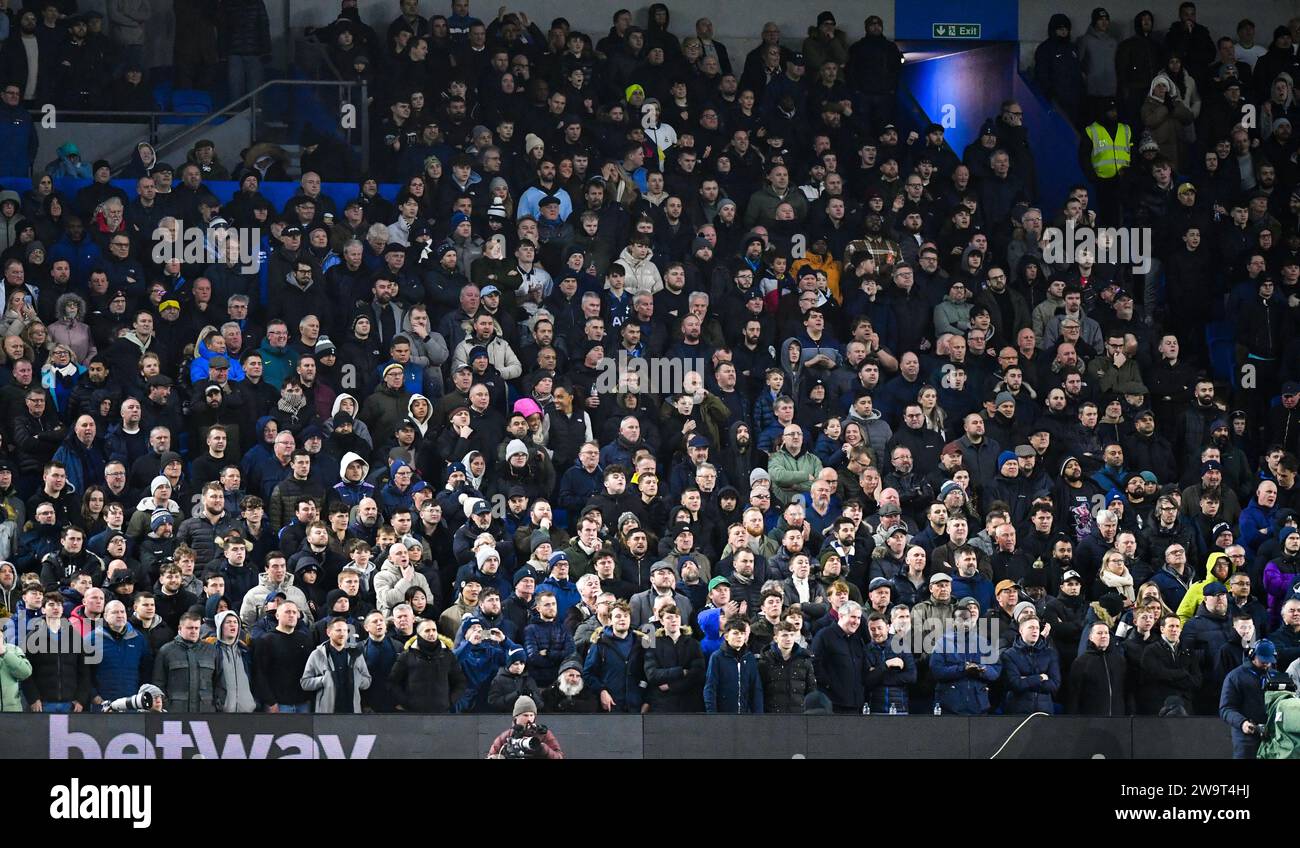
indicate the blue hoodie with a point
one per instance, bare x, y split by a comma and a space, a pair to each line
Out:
199, 366
566, 594
480, 663
259, 451
710, 621
1256, 525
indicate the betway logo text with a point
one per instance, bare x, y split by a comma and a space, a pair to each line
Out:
174, 743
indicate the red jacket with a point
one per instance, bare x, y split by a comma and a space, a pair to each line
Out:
549, 744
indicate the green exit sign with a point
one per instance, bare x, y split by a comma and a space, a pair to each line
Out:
957, 30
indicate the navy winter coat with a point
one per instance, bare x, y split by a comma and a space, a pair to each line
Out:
614, 665
1023, 666
887, 686
551, 637
1240, 700
958, 692
125, 661
732, 684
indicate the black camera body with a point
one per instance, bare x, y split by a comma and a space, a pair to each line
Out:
525, 743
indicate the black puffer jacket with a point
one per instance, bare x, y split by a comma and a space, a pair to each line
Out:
201, 534
679, 664
58, 673
786, 682
427, 678
507, 688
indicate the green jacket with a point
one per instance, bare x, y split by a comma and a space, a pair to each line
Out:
792, 474
1282, 730
14, 669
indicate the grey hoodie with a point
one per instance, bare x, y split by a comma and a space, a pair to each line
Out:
234, 676
1097, 56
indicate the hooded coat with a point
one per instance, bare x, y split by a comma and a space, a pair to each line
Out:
427, 677
731, 682
1165, 119
1057, 68
614, 665
480, 664
235, 666
351, 493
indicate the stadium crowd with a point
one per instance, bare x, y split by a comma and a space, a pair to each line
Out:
907, 462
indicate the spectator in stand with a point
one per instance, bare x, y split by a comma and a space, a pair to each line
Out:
535, 398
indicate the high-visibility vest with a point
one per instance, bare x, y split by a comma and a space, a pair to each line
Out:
1109, 155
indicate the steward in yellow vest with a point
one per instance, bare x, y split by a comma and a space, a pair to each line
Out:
1106, 146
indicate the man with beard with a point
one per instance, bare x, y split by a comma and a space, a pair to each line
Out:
923, 442
1146, 449
1066, 611
1211, 482
569, 694
1171, 381
1194, 423
1073, 497
1037, 543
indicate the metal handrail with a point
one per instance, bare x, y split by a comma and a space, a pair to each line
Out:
114, 113
238, 105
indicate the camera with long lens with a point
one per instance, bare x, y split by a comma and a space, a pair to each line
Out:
140, 702
525, 743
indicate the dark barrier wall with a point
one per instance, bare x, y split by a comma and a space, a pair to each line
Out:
609, 737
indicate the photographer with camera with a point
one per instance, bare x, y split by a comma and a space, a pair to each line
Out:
149, 699
1241, 699
526, 740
